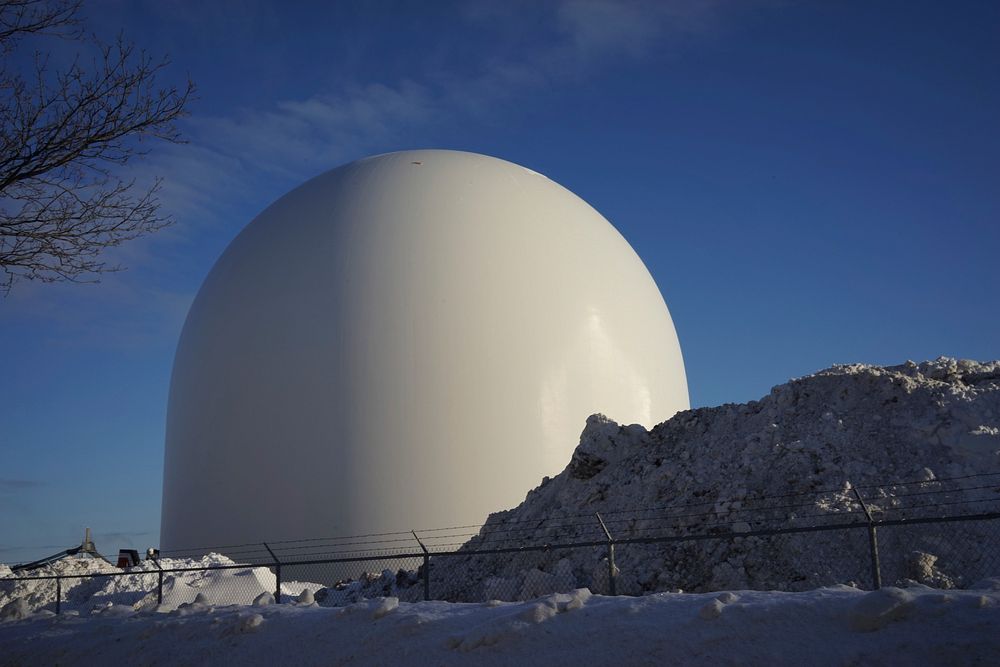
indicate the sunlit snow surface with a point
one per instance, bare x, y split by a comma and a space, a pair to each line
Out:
834, 626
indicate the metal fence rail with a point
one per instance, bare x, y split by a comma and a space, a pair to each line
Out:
864, 535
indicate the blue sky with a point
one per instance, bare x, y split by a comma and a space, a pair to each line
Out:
809, 183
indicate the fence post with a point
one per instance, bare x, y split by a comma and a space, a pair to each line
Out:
612, 570
427, 567
277, 574
58, 594
159, 581
873, 538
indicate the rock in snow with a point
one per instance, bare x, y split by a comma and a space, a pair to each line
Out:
15, 610
263, 599
788, 459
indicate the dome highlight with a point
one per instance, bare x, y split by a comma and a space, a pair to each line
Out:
408, 341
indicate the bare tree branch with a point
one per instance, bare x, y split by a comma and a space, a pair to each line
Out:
19, 18
64, 138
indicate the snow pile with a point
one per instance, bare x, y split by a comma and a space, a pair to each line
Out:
831, 626
38, 594
789, 459
136, 587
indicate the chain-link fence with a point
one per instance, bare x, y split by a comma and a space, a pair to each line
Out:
943, 532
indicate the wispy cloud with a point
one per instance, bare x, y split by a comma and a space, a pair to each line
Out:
123, 312
248, 156
19, 484
602, 28
300, 136
295, 138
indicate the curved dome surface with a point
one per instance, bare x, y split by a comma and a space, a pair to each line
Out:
408, 341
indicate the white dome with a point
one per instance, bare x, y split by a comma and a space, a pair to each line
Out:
409, 341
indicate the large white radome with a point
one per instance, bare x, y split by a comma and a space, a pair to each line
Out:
409, 341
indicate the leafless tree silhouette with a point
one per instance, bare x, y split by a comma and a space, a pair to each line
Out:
65, 138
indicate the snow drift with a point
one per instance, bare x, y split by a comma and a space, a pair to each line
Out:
832, 626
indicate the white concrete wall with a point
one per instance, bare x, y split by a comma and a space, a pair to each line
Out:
409, 341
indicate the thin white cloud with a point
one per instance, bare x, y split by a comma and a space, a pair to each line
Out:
250, 156
19, 484
597, 27
121, 313
603, 28
296, 138
299, 137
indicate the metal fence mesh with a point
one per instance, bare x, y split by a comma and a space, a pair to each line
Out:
344, 582
926, 553
241, 585
943, 533
920, 552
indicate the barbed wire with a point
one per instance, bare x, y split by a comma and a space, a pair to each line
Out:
756, 509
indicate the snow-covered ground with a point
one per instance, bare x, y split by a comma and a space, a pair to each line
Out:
829, 626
